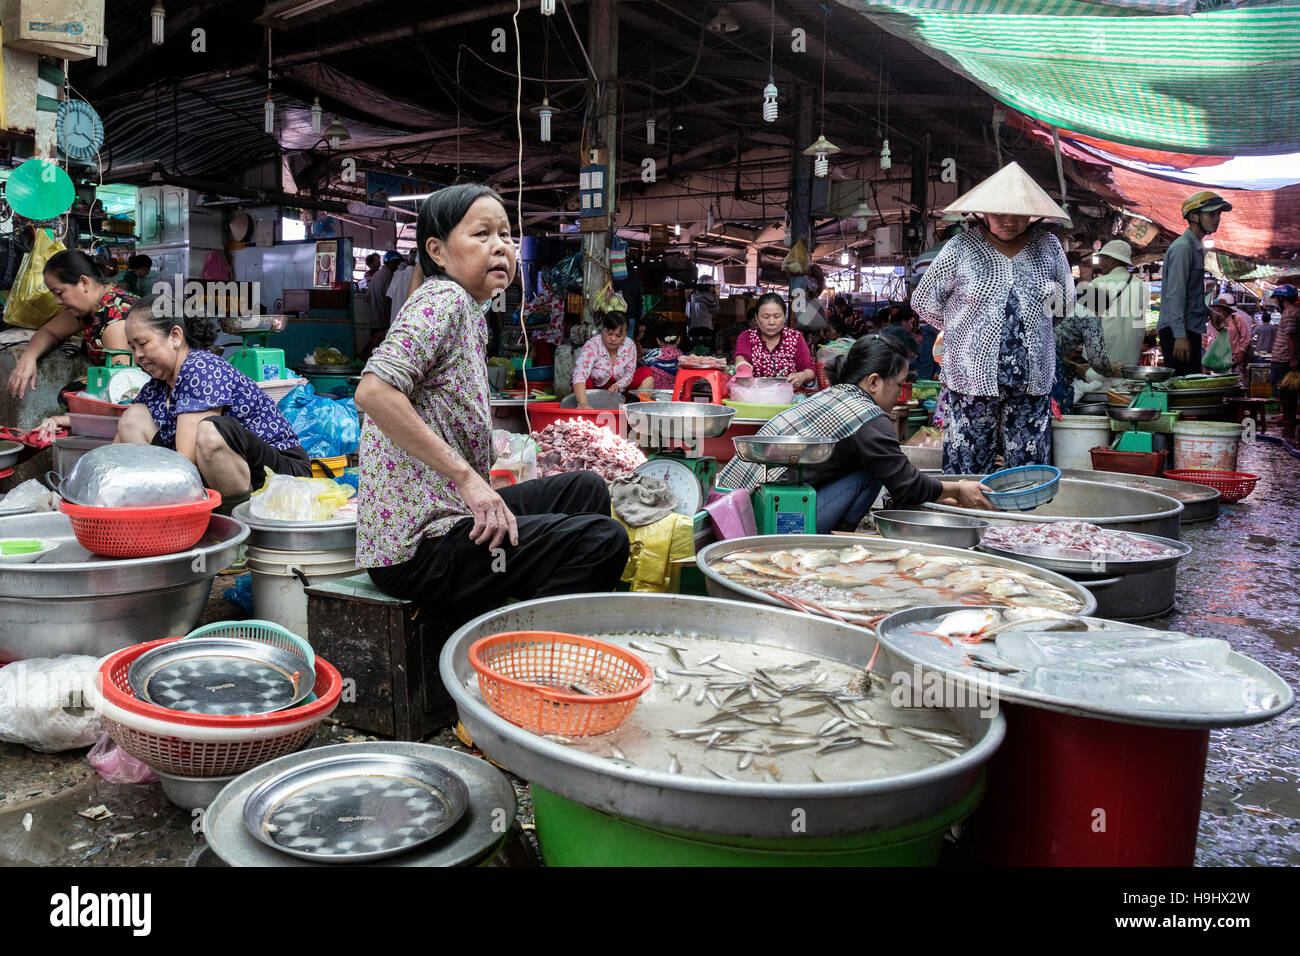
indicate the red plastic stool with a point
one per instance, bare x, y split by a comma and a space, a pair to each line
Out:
684, 383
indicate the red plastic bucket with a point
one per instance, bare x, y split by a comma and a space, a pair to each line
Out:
1077, 791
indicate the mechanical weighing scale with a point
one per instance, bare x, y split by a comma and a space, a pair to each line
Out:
675, 431
257, 359
1150, 403
781, 505
119, 364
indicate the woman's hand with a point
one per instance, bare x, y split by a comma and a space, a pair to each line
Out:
492, 519
48, 429
965, 494
23, 377
801, 378
1182, 350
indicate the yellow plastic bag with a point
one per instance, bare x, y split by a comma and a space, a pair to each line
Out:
31, 304
655, 548
286, 498
797, 260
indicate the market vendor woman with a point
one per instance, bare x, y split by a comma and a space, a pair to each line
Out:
430, 528
855, 411
88, 305
607, 361
771, 349
202, 407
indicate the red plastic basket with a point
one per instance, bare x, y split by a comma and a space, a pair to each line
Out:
525, 676
189, 751
79, 403
1231, 485
140, 532
1146, 463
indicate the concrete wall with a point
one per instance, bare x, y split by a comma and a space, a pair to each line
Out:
53, 372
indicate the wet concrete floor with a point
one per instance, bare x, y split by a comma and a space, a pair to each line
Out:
1241, 584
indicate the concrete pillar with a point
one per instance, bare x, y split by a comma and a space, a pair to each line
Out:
801, 185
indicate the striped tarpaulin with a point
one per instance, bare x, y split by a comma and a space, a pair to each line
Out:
1226, 81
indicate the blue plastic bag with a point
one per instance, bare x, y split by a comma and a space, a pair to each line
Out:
241, 595
326, 427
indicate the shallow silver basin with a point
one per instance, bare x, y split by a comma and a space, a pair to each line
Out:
75, 602
694, 803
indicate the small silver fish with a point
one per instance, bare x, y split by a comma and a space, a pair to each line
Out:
644, 647
676, 647
841, 743
720, 776
682, 691
793, 745
617, 753
744, 762
725, 667
708, 660
661, 675
827, 727
674, 765
946, 751
676, 655
815, 776
888, 745
713, 739
769, 777
805, 712
685, 672
819, 678
699, 698
712, 698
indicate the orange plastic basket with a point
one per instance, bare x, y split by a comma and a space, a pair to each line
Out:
140, 532
531, 678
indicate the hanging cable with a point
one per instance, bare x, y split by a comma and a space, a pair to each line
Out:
519, 206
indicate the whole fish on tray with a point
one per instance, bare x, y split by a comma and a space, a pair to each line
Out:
1075, 539
865, 584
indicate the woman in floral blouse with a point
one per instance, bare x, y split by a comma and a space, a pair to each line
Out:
89, 306
429, 526
990, 291
606, 361
771, 349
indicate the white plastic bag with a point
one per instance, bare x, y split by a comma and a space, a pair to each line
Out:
31, 495
42, 704
761, 391
286, 498
516, 454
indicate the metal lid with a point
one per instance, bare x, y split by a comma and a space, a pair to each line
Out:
225, 676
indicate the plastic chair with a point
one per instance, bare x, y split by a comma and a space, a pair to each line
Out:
684, 383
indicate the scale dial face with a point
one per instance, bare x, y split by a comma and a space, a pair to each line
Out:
80, 130
680, 478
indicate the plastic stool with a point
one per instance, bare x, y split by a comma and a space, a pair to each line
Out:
684, 383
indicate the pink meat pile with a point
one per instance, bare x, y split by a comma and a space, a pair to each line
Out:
1080, 536
578, 445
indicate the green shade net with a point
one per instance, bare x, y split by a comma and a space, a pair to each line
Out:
1222, 81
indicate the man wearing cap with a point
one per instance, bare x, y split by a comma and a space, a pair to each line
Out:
1183, 310
1286, 354
1121, 300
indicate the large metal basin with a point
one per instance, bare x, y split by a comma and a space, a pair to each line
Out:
719, 586
1200, 502
74, 602
692, 803
1110, 506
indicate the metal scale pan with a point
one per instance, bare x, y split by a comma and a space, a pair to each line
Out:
675, 431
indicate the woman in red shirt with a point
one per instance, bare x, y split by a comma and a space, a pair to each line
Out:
771, 349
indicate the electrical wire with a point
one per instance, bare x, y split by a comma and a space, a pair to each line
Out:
519, 207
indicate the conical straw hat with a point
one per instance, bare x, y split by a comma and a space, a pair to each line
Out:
1011, 192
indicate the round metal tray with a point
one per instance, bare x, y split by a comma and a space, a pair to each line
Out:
666, 422
719, 586
787, 451
240, 677
355, 807
933, 655
695, 803
1101, 567
954, 531
1122, 414
336, 534
483, 827
1112, 506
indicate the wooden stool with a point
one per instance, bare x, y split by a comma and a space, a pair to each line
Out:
684, 383
389, 648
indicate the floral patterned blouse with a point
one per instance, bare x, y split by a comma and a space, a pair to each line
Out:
790, 356
113, 307
593, 364
436, 355
984, 301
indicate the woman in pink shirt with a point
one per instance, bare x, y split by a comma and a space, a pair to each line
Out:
771, 349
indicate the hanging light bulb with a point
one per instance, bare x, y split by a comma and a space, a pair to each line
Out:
769, 101
157, 17
101, 53
269, 114
336, 133
844, 258
316, 117
820, 150
650, 131
862, 214
548, 8
544, 115
885, 161
677, 230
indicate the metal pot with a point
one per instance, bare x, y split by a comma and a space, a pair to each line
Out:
9, 452
73, 602
192, 793
1134, 597
336, 534
694, 803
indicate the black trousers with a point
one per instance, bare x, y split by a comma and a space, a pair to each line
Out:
1193, 364
568, 544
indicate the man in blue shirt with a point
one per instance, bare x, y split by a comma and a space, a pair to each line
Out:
1183, 310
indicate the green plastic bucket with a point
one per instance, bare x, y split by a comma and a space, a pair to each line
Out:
573, 835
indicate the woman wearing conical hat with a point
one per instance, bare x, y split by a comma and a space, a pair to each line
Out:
993, 291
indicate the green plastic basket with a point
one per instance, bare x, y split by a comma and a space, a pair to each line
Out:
752, 411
